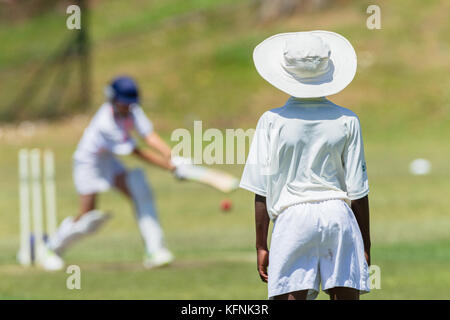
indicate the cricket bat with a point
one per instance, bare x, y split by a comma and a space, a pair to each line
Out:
217, 179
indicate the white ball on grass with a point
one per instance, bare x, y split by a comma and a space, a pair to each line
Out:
420, 167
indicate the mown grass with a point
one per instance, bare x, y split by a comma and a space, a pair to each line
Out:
215, 255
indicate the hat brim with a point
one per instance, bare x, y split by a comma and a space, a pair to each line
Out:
128, 100
268, 57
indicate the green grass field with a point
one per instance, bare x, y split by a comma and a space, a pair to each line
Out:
194, 62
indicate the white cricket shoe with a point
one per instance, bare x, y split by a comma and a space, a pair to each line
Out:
49, 260
160, 258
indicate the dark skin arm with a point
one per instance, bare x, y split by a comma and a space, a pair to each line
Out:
360, 208
262, 221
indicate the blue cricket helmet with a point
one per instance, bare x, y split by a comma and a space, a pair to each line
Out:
123, 89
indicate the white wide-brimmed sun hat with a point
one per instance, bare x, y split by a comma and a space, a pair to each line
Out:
308, 64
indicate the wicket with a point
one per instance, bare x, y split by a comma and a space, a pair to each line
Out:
31, 202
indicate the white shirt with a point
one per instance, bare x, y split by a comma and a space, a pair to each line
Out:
307, 150
108, 134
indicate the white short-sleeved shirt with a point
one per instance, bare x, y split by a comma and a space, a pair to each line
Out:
307, 150
108, 134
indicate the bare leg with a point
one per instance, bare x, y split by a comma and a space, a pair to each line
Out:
121, 184
295, 295
87, 203
343, 293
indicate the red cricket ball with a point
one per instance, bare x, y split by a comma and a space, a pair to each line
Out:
225, 204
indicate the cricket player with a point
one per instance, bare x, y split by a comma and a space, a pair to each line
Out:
96, 169
307, 169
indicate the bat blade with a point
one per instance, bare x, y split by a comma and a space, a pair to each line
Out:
220, 180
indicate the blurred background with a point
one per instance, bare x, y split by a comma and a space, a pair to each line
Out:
193, 61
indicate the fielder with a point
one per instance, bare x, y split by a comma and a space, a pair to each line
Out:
307, 168
96, 169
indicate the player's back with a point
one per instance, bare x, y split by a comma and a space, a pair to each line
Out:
307, 146
312, 125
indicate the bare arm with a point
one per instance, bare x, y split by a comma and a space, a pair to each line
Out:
154, 141
154, 158
262, 221
360, 208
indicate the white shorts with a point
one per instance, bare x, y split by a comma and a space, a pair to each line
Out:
316, 243
96, 177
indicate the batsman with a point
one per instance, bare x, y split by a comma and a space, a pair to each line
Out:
97, 169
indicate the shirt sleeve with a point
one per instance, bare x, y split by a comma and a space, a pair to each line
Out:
142, 123
254, 177
354, 163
